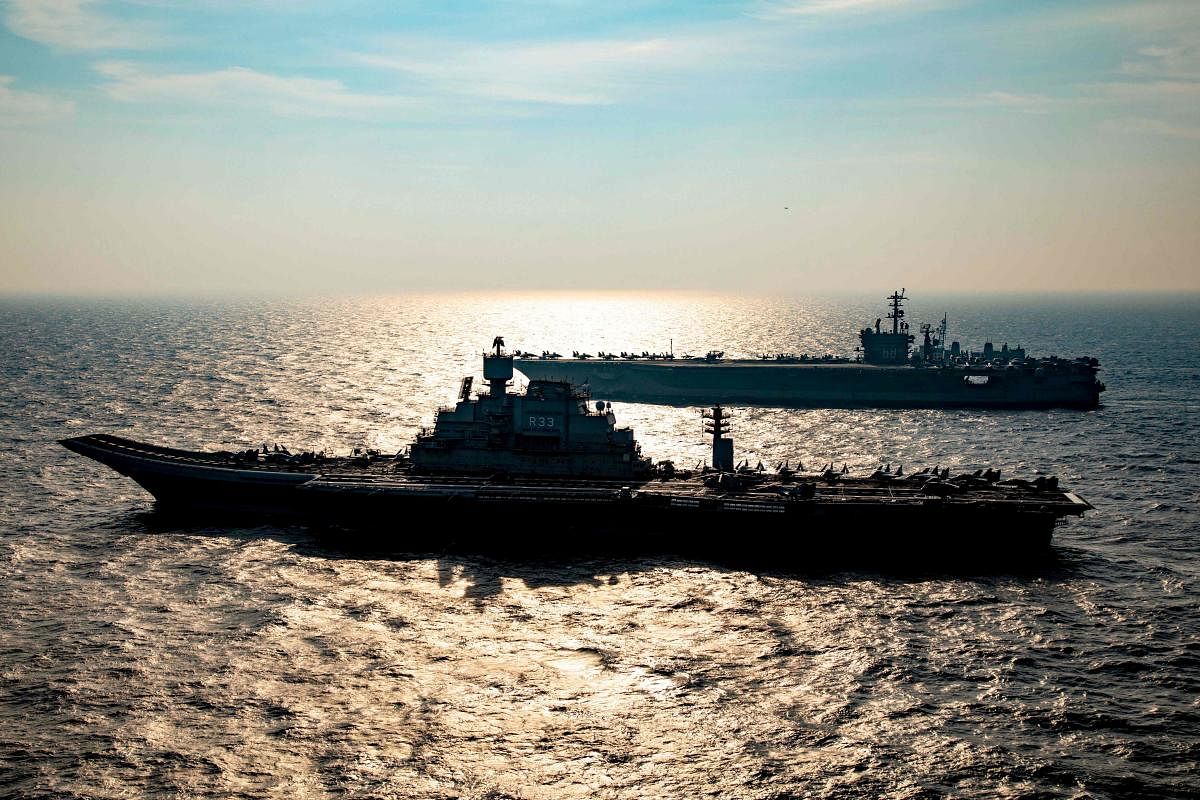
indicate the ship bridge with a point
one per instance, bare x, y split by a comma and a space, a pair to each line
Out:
880, 346
551, 429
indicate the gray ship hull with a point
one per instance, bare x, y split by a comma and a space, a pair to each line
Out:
665, 517
838, 385
183, 480
404, 511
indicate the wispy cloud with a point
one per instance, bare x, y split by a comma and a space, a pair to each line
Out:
1157, 87
1024, 103
1010, 101
583, 72
26, 108
243, 88
821, 8
1157, 127
1146, 16
1179, 60
1171, 91
79, 25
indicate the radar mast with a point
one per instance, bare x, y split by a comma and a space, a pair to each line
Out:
896, 315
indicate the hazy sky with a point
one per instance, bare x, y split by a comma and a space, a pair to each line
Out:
172, 146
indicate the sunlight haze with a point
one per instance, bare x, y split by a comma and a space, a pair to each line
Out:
215, 146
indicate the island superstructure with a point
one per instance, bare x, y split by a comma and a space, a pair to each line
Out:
890, 372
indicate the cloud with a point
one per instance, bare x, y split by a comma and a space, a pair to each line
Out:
1165, 90
243, 88
820, 8
25, 108
78, 25
1178, 61
579, 72
1163, 78
1008, 101
1147, 16
996, 100
1156, 127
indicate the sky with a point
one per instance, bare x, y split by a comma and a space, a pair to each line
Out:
227, 146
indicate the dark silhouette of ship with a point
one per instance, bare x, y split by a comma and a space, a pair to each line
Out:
549, 467
890, 373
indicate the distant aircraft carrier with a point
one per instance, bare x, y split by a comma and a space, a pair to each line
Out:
891, 373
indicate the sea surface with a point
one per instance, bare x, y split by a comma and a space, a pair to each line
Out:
143, 659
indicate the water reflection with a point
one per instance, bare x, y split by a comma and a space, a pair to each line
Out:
210, 660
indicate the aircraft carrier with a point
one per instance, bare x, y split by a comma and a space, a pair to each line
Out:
548, 468
889, 373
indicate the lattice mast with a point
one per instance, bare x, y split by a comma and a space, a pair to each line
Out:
716, 425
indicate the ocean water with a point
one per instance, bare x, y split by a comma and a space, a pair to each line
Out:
143, 659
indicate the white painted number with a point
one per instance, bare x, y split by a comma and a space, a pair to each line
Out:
541, 422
